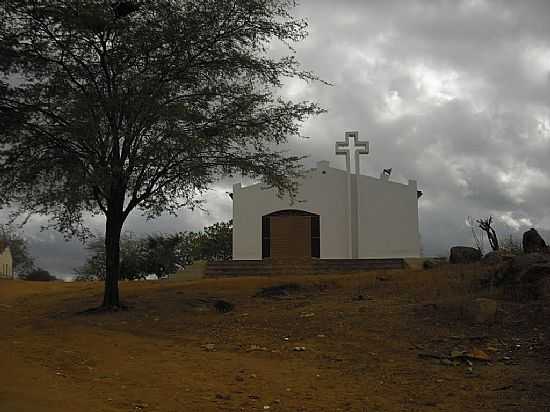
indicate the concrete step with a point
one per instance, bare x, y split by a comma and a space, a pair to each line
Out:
298, 267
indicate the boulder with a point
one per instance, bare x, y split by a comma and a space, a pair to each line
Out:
510, 271
533, 242
496, 257
492, 258
535, 273
525, 275
464, 254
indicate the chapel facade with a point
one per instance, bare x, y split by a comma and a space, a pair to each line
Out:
336, 215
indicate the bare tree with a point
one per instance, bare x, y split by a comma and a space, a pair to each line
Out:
486, 226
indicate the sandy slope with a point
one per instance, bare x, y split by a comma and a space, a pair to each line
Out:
172, 351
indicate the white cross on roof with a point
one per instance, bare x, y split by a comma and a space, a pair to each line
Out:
345, 148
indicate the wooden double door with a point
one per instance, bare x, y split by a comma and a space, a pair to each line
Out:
290, 234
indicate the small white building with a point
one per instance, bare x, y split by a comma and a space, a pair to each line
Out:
336, 215
6, 261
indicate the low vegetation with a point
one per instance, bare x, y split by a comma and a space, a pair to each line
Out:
159, 254
38, 275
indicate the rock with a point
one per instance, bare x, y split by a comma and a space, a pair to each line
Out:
223, 396
533, 242
535, 281
209, 347
280, 291
254, 348
535, 273
464, 254
525, 276
478, 354
223, 306
468, 356
494, 257
511, 270
429, 264
299, 348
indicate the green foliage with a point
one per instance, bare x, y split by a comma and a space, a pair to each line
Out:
160, 254
132, 259
165, 253
216, 242
94, 268
23, 262
39, 275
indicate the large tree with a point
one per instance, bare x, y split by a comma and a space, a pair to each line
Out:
109, 106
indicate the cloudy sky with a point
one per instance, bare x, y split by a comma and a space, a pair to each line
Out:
454, 94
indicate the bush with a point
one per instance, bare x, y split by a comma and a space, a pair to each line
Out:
39, 275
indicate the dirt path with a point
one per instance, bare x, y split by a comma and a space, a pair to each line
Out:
173, 351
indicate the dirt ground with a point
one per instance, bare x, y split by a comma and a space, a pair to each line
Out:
376, 341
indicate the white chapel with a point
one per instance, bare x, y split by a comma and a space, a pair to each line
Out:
337, 214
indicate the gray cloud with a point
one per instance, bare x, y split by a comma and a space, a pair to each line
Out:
452, 93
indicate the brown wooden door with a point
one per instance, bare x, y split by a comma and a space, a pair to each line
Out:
290, 236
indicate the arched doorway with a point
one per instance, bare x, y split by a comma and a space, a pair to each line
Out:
290, 234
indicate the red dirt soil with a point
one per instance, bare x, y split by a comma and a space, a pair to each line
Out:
362, 334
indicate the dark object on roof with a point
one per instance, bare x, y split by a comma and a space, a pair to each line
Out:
419, 194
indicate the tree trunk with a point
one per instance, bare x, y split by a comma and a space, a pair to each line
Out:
493, 240
113, 229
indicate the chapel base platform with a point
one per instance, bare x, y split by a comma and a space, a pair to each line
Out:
268, 267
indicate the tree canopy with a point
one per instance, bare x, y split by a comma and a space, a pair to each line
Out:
107, 107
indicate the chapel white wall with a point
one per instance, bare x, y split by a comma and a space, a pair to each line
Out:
326, 196
388, 219
6, 263
388, 215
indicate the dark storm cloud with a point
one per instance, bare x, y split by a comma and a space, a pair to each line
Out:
454, 94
